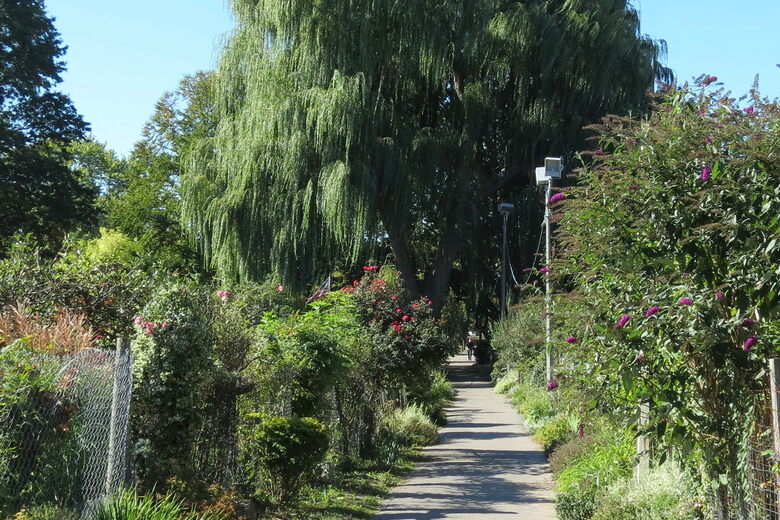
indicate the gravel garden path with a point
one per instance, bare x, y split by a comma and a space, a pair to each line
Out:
485, 466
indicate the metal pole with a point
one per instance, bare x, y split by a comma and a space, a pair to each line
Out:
503, 272
118, 429
547, 283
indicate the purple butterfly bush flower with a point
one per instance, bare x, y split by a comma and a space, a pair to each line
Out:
685, 301
640, 356
544, 270
558, 196
571, 339
748, 323
705, 173
749, 343
709, 79
623, 320
552, 385
652, 310
720, 296
748, 110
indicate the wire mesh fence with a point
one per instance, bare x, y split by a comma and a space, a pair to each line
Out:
64, 428
761, 462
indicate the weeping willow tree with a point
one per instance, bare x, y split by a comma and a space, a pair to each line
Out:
347, 125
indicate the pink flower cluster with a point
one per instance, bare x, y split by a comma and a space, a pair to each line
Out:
224, 295
709, 79
149, 326
706, 172
370, 267
558, 196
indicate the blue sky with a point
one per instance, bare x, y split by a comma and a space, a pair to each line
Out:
122, 56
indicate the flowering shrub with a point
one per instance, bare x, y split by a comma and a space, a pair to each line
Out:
172, 366
408, 337
669, 239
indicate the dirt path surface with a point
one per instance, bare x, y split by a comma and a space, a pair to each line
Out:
484, 467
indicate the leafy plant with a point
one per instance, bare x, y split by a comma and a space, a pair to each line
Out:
128, 504
432, 394
668, 239
555, 430
402, 428
664, 492
285, 452
173, 362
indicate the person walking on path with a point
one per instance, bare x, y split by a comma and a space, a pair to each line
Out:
485, 466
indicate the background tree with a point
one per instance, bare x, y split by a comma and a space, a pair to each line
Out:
345, 127
139, 196
38, 193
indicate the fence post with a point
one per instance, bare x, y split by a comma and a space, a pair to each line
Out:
120, 417
642, 442
774, 388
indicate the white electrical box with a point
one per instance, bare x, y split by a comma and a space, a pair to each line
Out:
552, 169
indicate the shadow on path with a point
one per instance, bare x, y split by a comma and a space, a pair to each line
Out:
485, 465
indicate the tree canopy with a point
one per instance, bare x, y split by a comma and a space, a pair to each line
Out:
345, 127
38, 193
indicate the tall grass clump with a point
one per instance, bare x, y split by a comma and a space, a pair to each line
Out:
127, 504
664, 492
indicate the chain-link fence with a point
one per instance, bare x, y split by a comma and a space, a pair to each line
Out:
761, 462
64, 424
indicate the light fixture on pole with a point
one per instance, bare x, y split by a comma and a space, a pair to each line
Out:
553, 166
505, 209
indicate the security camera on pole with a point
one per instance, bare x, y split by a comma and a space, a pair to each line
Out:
552, 169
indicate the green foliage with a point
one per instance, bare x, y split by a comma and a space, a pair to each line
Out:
674, 225
38, 193
506, 383
664, 492
113, 247
433, 393
408, 338
171, 368
535, 403
107, 294
37, 447
373, 124
130, 505
556, 430
285, 451
584, 466
46, 512
306, 355
576, 504
400, 428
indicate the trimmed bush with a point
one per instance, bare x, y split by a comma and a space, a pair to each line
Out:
286, 452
